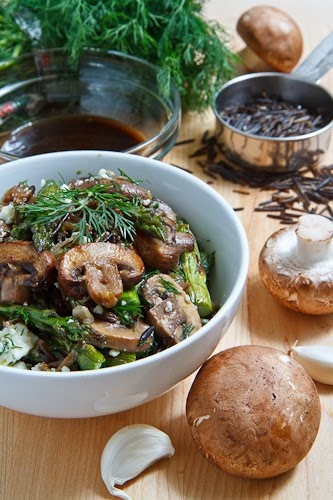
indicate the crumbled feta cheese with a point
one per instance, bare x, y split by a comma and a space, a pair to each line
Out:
64, 187
98, 310
105, 174
114, 352
65, 369
7, 213
40, 367
42, 183
15, 342
146, 202
21, 365
82, 314
36, 368
168, 306
76, 235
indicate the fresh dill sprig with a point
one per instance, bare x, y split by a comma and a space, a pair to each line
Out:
128, 308
93, 211
127, 312
168, 286
128, 177
187, 329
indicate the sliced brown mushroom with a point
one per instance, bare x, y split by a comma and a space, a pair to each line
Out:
116, 184
168, 320
119, 337
18, 194
21, 269
100, 270
153, 290
172, 313
158, 254
155, 253
13, 290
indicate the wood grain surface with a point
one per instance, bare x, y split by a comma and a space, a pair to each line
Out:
51, 459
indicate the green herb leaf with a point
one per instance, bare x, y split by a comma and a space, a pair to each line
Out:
169, 287
92, 212
128, 307
87, 214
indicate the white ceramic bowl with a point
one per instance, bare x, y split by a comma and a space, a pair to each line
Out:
111, 390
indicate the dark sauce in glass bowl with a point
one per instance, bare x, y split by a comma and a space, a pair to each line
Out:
70, 133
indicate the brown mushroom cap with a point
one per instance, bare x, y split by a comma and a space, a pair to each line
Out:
253, 411
272, 35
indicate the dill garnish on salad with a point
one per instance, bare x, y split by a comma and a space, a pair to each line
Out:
95, 273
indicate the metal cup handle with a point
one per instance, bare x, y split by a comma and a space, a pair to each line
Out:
318, 63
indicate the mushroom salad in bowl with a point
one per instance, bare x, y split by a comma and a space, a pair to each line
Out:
96, 272
108, 293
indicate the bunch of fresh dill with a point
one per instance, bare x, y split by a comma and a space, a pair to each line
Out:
173, 34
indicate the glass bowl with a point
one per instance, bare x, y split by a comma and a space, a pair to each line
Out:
105, 101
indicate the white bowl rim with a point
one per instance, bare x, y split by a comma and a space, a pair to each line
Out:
230, 300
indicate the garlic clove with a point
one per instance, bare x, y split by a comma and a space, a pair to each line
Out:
317, 361
129, 452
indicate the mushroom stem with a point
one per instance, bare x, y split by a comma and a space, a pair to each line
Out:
250, 61
314, 238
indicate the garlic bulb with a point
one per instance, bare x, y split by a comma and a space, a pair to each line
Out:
317, 361
129, 452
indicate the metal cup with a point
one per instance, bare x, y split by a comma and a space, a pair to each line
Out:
274, 154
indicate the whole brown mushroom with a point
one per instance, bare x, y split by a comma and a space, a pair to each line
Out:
253, 411
273, 40
296, 265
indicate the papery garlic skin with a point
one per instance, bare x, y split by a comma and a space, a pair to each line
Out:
317, 361
129, 452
